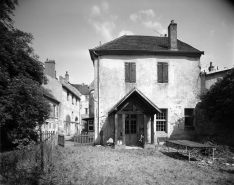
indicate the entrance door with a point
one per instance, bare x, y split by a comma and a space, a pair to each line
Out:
130, 129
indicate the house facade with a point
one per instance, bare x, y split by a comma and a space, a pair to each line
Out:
67, 110
145, 85
51, 93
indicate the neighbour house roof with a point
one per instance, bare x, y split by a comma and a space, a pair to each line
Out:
47, 94
82, 88
136, 44
137, 97
71, 89
91, 86
219, 71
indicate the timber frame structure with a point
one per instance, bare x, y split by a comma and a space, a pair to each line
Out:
134, 103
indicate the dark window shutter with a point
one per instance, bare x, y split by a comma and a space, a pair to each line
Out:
133, 72
160, 72
165, 72
127, 69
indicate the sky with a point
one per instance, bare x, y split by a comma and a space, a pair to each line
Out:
65, 30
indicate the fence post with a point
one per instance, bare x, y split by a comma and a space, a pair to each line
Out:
42, 152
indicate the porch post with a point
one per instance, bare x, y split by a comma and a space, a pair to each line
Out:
123, 129
116, 129
152, 129
145, 130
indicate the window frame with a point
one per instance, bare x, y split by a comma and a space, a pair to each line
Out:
162, 76
130, 72
189, 127
91, 124
162, 117
67, 96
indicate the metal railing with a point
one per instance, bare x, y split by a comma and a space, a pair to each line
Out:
83, 139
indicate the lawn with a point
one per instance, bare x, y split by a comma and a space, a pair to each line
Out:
103, 165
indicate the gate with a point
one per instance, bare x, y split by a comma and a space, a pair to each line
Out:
61, 140
83, 139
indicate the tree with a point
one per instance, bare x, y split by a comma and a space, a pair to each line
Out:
218, 103
22, 105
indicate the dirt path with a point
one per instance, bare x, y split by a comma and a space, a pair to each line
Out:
101, 165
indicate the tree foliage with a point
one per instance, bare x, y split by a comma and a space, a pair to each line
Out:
218, 102
22, 105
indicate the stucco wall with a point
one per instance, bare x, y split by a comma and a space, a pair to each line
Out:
211, 78
180, 92
67, 108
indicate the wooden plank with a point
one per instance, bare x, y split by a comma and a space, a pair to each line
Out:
123, 129
116, 128
145, 129
152, 129
189, 144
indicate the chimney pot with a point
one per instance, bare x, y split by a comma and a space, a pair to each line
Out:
66, 77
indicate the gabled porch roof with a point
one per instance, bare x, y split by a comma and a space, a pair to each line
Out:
139, 100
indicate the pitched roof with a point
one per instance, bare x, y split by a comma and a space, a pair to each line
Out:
139, 43
82, 88
138, 96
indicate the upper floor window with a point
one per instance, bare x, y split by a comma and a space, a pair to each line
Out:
130, 72
189, 115
72, 100
161, 120
162, 72
86, 110
67, 96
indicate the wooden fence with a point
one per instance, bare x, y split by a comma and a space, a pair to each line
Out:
83, 139
28, 161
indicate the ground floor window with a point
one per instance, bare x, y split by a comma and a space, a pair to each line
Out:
161, 120
189, 115
90, 125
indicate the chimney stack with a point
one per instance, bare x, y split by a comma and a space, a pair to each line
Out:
66, 77
172, 36
211, 68
50, 68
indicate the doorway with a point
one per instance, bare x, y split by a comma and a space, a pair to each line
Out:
131, 129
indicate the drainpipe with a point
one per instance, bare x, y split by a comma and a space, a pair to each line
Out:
97, 90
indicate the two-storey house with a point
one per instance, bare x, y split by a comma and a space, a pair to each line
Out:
145, 85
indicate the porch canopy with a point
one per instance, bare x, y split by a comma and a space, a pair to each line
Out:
134, 102
137, 98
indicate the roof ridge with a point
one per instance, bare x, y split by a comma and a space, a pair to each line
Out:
109, 42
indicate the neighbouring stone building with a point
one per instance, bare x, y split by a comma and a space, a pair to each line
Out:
145, 85
52, 94
87, 106
67, 110
209, 78
84, 103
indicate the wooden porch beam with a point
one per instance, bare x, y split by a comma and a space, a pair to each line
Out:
129, 112
152, 129
116, 129
123, 129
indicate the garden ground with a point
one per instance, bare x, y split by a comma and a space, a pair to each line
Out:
104, 165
